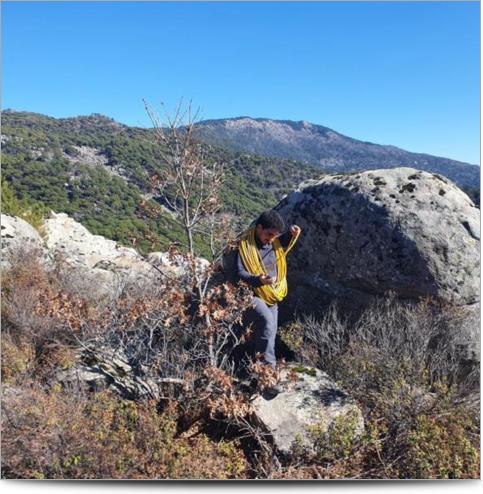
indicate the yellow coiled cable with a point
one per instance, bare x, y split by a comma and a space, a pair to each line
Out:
270, 294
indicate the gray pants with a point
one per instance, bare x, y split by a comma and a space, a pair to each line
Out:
265, 322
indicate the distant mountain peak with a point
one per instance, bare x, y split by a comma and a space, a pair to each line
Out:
271, 125
324, 147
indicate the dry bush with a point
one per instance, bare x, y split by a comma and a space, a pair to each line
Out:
22, 285
160, 325
420, 340
403, 364
265, 374
162, 329
65, 436
37, 311
17, 359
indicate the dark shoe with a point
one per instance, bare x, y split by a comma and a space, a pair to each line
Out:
274, 390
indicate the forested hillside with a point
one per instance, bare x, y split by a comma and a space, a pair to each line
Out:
98, 171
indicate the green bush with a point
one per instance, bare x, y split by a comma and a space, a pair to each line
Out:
442, 446
57, 435
30, 211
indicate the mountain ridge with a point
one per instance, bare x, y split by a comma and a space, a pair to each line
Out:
307, 124
293, 123
325, 147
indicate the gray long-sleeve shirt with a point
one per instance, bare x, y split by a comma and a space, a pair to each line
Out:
269, 259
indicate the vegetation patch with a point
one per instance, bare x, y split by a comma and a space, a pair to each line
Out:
305, 370
407, 188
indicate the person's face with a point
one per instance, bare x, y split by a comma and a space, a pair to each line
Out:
266, 235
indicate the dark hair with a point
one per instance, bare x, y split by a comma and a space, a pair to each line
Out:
271, 219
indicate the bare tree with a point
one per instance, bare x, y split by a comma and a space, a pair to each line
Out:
189, 182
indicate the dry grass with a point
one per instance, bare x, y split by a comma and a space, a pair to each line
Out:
404, 365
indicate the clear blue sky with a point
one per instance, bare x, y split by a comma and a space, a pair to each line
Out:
406, 73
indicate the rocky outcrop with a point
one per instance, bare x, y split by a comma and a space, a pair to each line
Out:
366, 233
19, 236
109, 265
101, 263
86, 155
307, 410
69, 238
98, 369
73, 241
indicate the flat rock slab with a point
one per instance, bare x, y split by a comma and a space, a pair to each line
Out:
310, 398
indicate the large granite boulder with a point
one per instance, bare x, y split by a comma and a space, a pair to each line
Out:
308, 409
400, 229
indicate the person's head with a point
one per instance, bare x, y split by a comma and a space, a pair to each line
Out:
268, 226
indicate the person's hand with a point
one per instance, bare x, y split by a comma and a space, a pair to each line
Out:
294, 230
265, 279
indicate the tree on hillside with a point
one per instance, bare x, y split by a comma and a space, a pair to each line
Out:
190, 185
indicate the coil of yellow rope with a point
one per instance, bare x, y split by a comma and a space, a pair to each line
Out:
270, 294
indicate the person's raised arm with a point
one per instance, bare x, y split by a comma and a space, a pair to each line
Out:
286, 237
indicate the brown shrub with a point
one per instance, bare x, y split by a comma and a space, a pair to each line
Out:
22, 287
163, 330
62, 436
37, 313
17, 358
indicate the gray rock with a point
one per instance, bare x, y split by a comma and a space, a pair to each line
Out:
404, 230
67, 236
87, 156
109, 265
175, 265
311, 402
103, 368
19, 236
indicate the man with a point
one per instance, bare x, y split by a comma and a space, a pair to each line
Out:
262, 264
